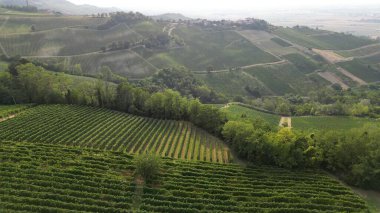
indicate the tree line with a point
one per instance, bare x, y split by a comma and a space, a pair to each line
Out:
28, 83
352, 155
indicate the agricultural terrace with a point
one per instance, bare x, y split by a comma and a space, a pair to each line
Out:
367, 72
104, 129
46, 178
322, 39
66, 41
362, 51
23, 24
220, 50
125, 63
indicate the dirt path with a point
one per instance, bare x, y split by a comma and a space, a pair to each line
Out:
332, 78
7, 118
244, 67
286, 122
353, 77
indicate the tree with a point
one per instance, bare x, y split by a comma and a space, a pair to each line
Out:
148, 166
33, 28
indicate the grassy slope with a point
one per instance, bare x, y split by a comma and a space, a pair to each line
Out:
106, 130
334, 41
218, 49
23, 24
361, 51
48, 178
235, 112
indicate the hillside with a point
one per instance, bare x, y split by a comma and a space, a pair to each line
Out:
170, 16
109, 130
62, 6
46, 177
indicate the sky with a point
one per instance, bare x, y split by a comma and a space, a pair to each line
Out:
218, 5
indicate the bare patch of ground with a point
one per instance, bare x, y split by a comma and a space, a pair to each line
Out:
286, 122
331, 56
334, 79
6, 118
353, 77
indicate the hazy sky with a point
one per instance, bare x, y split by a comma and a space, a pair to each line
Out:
218, 5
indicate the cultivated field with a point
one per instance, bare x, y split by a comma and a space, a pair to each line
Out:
23, 24
322, 40
8, 110
285, 78
361, 51
218, 49
125, 63
54, 178
66, 41
303, 64
109, 130
333, 79
366, 72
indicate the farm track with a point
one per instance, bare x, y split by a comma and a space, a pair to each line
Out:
7, 118
244, 67
286, 122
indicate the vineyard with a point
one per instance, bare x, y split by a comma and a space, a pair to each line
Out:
6, 110
53, 178
110, 130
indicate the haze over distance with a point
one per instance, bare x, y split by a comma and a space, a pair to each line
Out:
349, 16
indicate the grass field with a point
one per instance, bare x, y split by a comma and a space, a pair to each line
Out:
23, 24
331, 122
65, 41
303, 64
125, 63
109, 130
219, 49
367, 72
373, 59
3, 66
54, 178
327, 41
235, 112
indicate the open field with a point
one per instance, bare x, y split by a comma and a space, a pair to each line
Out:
65, 41
236, 112
322, 40
218, 49
23, 24
3, 66
366, 72
109, 130
331, 122
125, 63
46, 177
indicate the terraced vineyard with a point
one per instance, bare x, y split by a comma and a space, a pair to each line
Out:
103, 129
53, 178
